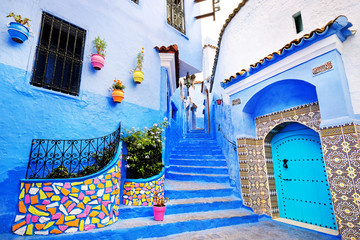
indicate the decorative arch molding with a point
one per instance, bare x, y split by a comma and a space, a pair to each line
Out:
255, 156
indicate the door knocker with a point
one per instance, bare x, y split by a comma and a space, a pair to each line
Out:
285, 163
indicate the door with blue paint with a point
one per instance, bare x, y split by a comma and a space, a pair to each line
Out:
300, 177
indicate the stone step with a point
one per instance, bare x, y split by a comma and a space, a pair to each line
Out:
198, 162
186, 155
192, 189
220, 178
146, 227
199, 169
198, 141
184, 205
195, 151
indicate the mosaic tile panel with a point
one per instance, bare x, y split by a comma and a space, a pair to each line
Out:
70, 205
142, 193
341, 151
308, 114
255, 157
253, 175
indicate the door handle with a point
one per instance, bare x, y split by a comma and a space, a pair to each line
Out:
285, 163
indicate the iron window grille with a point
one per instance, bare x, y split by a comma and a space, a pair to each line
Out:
176, 15
59, 56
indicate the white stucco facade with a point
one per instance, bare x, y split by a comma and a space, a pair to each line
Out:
263, 27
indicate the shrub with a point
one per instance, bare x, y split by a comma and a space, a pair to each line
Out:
144, 157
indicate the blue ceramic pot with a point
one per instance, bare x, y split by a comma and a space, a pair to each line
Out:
18, 32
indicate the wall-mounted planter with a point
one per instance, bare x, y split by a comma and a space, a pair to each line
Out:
18, 32
138, 76
97, 61
118, 95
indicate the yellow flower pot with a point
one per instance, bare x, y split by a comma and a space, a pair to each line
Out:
118, 95
138, 76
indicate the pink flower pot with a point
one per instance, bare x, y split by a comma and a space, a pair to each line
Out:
159, 213
97, 61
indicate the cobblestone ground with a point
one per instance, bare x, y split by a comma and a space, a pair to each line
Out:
263, 230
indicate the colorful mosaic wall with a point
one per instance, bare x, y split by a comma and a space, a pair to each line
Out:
342, 160
255, 157
69, 205
254, 183
141, 192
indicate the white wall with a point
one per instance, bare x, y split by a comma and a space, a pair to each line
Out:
262, 27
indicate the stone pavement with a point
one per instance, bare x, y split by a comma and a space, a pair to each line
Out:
263, 230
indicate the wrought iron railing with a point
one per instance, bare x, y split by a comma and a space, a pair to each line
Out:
219, 129
47, 156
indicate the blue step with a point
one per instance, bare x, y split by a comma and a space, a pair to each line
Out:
196, 156
148, 228
180, 194
198, 169
195, 151
177, 206
219, 178
198, 162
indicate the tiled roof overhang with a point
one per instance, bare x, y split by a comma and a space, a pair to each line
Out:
172, 49
338, 26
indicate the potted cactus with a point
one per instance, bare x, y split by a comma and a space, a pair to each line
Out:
117, 91
17, 30
98, 58
138, 75
159, 206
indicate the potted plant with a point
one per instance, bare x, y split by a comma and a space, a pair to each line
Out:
138, 75
17, 30
159, 206
98, 58
117, 91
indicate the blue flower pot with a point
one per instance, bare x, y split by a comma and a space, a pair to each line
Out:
18, 32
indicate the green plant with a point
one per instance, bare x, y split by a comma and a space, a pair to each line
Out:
101, 160
60, 172
88, 170
100, 45
144, 157
19, 19
140, 60
159, 201
118, 85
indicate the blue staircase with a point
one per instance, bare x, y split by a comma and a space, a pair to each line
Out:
197, 184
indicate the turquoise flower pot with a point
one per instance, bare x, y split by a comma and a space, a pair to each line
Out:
18, 32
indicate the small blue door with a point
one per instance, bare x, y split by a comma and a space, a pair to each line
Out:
300, 177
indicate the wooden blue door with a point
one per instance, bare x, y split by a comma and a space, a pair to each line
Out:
300, 177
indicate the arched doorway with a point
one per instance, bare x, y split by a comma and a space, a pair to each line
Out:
300, 177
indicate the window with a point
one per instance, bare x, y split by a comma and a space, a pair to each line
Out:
59, 56
135, 1
175, 14
298, 22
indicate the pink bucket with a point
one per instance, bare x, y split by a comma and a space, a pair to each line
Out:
159, 213
97, 61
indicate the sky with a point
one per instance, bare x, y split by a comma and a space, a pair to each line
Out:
212, 28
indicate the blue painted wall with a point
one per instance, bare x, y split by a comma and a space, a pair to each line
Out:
29, 112
295, 87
